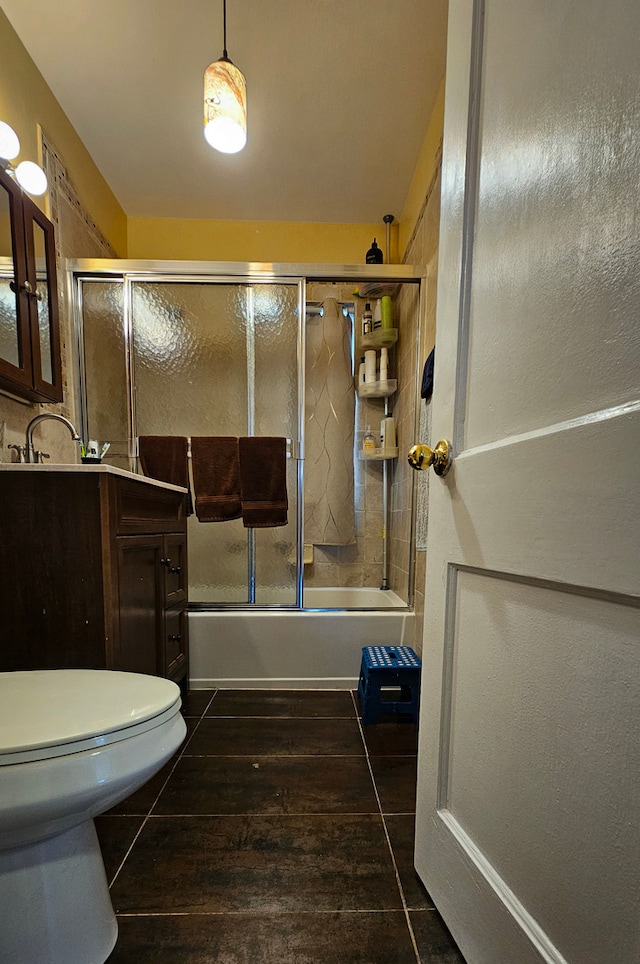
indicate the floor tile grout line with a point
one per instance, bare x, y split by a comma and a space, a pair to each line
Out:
178, 757
388, 839
259, 813
309, 756
280, 719
251, 911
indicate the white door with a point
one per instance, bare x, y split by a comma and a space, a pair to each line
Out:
527, 832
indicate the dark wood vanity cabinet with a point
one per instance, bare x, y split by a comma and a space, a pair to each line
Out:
94, 572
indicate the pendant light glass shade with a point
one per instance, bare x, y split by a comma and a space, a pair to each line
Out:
225, 106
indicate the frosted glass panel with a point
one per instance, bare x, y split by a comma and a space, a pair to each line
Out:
221, 359
190, 359
105, 368
42, 288
274, 309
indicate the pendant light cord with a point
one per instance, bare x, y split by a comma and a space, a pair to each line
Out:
224, 29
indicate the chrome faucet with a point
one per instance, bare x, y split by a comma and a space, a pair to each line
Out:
30, 454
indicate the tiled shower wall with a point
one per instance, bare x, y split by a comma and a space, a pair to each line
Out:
414, 345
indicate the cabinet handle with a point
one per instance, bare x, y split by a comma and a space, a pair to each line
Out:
26, 286
175, 637
175, 569
165, 562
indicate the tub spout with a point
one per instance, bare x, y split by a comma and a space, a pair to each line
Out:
30, 454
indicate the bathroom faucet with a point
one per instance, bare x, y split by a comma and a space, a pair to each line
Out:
30, 454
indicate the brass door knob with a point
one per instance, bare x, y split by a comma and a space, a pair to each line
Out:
421, 457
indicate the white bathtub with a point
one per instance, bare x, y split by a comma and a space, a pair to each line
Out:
315, 648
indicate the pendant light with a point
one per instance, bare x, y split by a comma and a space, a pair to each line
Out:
225, 102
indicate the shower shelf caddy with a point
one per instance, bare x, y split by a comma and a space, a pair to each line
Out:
379, 338
378, 455
378, 389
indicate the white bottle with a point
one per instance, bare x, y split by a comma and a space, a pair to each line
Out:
388, 438
377, 315
370, 366
361, 372
384, 364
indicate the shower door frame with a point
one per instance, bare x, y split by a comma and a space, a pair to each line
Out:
230, 272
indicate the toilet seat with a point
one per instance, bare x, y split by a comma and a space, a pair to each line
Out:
50, 713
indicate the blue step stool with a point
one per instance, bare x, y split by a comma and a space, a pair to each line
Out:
390, 666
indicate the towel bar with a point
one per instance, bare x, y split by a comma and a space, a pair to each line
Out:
293, 448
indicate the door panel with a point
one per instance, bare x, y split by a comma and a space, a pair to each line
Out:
140, 603
530, 723
530, 729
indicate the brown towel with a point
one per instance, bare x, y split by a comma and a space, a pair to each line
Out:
164, 457
216, 478
263, 481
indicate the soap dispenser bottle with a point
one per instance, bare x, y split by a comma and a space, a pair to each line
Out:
369, 442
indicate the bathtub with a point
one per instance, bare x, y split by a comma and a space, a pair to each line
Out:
318, 647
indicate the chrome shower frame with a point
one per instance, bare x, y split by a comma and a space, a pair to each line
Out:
130, 271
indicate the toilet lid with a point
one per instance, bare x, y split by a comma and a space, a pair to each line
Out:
52, 708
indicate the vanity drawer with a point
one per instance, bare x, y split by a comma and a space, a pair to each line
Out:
141, 508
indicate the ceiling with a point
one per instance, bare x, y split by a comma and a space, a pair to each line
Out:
339, 96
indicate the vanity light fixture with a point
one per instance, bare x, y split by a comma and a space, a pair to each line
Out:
225, 101
29, 176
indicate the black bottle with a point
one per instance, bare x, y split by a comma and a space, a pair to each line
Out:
374, 254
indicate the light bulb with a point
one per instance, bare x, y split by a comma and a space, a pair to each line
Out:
9, 143
225, 135
31, 178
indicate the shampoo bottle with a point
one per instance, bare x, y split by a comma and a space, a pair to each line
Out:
370, 366
367, 320
384, 364
374, 254
388, 433
387, 313
377, 315
361, 372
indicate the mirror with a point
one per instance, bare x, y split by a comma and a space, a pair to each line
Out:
42, 302
9, 340
30, 363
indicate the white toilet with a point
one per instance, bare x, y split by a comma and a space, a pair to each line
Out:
73, 743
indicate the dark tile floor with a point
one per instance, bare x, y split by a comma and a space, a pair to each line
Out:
280, 833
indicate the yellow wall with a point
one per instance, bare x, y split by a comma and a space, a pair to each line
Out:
270, 241
423, 174
26, 102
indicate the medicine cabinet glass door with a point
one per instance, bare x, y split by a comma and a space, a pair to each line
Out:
30, 364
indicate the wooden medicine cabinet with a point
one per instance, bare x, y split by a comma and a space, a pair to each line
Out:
30, 365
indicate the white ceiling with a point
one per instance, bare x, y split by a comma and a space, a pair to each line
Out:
339, 97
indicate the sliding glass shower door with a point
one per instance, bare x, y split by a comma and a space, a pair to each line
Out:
210, 358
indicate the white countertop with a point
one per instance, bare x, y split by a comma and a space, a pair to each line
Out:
75, 467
